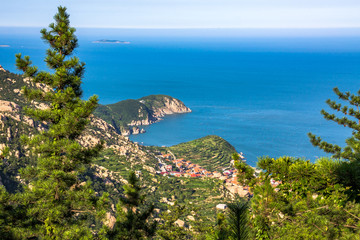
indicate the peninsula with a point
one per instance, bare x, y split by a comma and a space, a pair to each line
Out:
125, 116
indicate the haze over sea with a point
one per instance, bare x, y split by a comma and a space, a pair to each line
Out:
261, 90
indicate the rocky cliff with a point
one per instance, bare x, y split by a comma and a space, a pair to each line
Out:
162, 105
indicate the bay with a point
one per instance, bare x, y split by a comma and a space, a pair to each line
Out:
259, 90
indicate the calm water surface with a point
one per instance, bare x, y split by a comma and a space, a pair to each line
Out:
263, 94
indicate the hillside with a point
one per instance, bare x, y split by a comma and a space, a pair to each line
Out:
126, 115
110, 170
14, 123
211, 152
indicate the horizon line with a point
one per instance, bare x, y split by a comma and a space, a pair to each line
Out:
199, 27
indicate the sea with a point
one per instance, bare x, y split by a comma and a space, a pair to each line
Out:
261, 90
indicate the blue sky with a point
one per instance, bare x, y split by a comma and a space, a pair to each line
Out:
187, 13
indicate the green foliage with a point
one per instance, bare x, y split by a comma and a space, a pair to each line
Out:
133, 214
155, 102
168, 229
220, 231
197, 194
234, 224
237, 220
351, 119
211, 152
11, 83
58, 205
6, 215
4, 153
348, 172
245, 172
122, 113
309, 203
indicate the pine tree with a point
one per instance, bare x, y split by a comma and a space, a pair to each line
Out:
237, 220
351, 119
233, 224
348, 173
133, 214
245, 172
58, 204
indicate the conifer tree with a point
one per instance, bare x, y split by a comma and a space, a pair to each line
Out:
233, 224
237, 219
351, 119
348, 173
133, 214
58, 204
245, 172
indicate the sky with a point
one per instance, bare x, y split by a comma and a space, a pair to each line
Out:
186, 13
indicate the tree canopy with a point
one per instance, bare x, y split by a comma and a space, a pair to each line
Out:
58, 204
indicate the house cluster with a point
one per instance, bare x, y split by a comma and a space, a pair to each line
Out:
182, 168
170, 166
185, 168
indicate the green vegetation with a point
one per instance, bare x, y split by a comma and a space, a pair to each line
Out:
204, 194
351, 119
11, 85
309, 203
123, 113
312, 200
234, 224
246, 174
57, 204
59, 194
133, 214
154, 102
211, 152
169, 229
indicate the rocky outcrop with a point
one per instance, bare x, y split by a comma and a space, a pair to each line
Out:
7, 106
145, 122
159, 106
171, 106
159, 109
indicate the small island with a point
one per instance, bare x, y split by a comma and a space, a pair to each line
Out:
111, 41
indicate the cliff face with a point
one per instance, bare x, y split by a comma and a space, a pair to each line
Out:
162, 105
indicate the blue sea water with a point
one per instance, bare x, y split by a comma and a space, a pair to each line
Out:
259, 90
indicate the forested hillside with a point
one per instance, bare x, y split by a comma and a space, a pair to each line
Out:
109, 171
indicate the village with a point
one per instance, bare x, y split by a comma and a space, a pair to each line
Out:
169, 165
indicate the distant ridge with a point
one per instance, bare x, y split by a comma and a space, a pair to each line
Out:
111, 41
